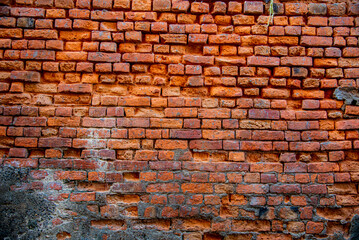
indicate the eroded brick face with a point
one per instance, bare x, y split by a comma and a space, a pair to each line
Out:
160, 119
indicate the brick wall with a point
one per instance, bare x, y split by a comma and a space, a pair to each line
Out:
179, 120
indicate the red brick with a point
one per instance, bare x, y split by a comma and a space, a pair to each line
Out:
163, 187
347, 124
266, 167
286, 189
214, 113
243, 20
138, 57
181, 112
131, 165
27, 12
341, 21
226, 92
174, 38
18, 152
267, 135
161, 5
297, 61
198, 38
263, 114
296, 9
263, 61
123, 144
37, 55
304, 146
171, 144
89, 143
316, 41
314, 227
55, 142
25, 76
104, 57
83, 197
317, 21
337, 145
224, 39
194, 59
30, 121
185, 134
205, 145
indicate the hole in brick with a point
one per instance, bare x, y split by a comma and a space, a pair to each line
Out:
262, 211
212, 236
72, 153
118, 198
230, 197
295, 209
131, 176
131, 211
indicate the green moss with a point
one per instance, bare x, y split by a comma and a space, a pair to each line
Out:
271, 12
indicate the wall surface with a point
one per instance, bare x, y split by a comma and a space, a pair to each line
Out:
179, 119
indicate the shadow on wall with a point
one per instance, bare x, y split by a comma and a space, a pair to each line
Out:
23, 214
27, 215
354, 228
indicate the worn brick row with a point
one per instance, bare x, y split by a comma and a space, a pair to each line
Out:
219, 177
226, 87
169, 86
178, 67
200, 144
197, 33
107, 42
176, 113
207, 120
248, 7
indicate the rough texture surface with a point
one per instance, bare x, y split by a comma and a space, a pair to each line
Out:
174, 119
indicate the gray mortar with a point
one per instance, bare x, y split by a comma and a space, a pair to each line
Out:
349, 95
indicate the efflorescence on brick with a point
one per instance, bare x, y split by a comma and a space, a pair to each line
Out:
175, 119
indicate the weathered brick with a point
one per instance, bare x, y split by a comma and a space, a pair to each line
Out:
104, 57
174, 38
317, 8
206, 60
37, 54
75, 88
263, 61
26, 76
138, 57
27, 12
263, 114
304, 146
55, 142
341, 21
224, 39
347, 124
297, 61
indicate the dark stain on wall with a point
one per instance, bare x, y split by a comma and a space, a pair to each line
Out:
23, 214
354, 228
